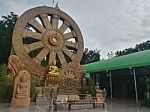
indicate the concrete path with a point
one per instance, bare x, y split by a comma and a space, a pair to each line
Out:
110, 107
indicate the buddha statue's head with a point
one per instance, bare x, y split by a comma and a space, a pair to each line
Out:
54, 62
24, 77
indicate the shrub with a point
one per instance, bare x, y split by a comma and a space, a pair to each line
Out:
6, 89
91, 87
3, 80
32, 87
83, 86
88, 87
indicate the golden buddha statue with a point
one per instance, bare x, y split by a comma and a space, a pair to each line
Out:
53, 69
52, 75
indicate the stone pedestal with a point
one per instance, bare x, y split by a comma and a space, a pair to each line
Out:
41, 100
20, 102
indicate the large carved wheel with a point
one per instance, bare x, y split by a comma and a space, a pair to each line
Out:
44, 34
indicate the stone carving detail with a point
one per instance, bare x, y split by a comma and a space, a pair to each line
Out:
100, 93
70, 80
22, 87
14, 65
21, 92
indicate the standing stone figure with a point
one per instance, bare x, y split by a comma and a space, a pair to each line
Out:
21, 92
98, 90
99, 93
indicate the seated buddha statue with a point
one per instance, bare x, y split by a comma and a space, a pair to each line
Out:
22, 87
53, 69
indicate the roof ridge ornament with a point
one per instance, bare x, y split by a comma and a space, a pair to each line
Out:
53, 1
57, 7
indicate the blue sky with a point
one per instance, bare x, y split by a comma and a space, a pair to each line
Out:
108, 25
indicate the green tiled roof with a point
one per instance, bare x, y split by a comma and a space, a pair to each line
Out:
131, 60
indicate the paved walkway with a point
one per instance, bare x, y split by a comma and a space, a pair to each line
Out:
116, 106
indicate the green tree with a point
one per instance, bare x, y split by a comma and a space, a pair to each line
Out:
139, 47
88, 87
6, 29
90, 56
3, 79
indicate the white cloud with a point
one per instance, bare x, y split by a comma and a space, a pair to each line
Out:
108, 25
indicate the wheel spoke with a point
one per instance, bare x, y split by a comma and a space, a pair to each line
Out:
61, 58
38, 59
69, 35
33, 46
45, 21
37, 26
52, 57
71, 44
35, 35
65, 76
68, 53
55, 20
63, 27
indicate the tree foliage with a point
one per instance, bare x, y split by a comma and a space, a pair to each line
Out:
139, 47
6, 89
3, 79
90, 56
88, 87
6, 29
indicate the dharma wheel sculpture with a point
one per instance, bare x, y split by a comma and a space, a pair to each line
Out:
45, 34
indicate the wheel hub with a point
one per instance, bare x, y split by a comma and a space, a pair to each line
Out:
53, 40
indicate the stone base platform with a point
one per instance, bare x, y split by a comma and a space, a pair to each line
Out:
20, 102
